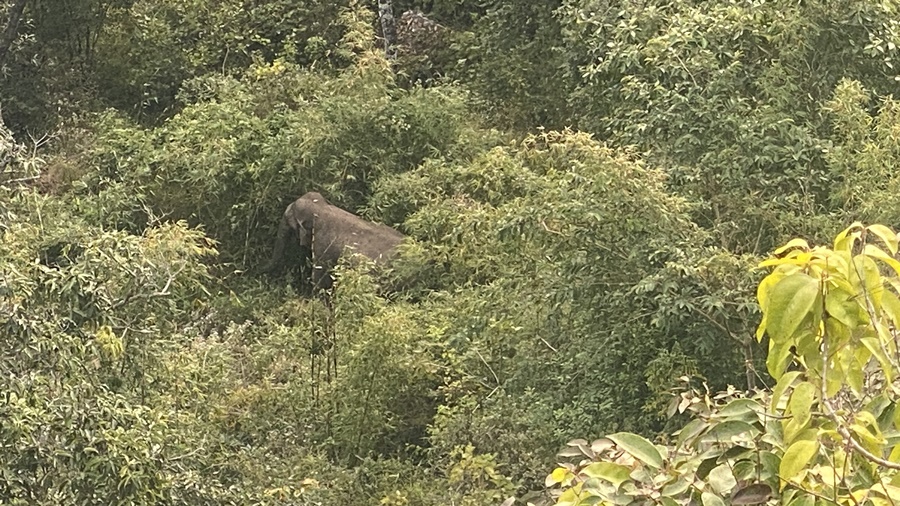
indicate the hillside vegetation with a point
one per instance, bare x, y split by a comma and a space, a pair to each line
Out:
589, 188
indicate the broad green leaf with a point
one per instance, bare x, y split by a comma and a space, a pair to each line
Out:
895, 454
861, 496
569, 498
845, 239
790, 301
690, 431
855, 377
710, 460
779, 357
894, 283
726, 430
874, 346
838, 271
770, 462
783, 384
807, 345
793, 243
801, 499
866, 418
791, 430
739, 407
887, 235
895, 481
570, 452
762, 290
761, 329
890, 303
827, 474
609, 471
746, 469
721, 479
865, 276
878, 253
882, 408
865, 437
639, 448
799, 260
808, 434
710, 499
889, 491
801, 402
577, 447
795, 459
842, 306
676, 488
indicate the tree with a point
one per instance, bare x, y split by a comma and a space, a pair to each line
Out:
12, 28
728, 96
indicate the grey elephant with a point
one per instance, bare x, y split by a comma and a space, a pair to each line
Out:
324, 233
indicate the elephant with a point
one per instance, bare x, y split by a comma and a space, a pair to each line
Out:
324, 233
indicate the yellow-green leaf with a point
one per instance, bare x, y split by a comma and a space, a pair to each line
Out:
801, 259
890, 303
677, 487
865, 437
568, 498
761, 329
887, 235
874, 346
842, 306
801, 402
639, 448
889, 491
796, 458
865, 275
895, 457
710, 499
721, 479
609, 471
793, 243
790, 301
779, 357
762, 290
876, 252
783, 384
844, 240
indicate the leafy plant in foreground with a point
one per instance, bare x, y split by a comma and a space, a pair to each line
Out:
826, 433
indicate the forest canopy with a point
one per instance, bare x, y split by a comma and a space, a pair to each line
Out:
611, 209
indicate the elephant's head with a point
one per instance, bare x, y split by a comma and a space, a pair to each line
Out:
302, 214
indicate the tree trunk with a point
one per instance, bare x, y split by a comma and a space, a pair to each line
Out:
12, 28
388, 28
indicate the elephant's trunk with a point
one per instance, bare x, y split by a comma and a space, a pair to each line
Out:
276, 263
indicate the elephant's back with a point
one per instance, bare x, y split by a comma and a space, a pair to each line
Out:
342, 229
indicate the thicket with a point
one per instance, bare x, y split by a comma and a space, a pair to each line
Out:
589, 188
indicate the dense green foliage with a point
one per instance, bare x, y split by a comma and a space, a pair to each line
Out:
587, 186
